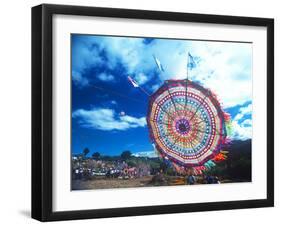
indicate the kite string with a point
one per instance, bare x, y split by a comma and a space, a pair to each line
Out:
142, 89
117, 93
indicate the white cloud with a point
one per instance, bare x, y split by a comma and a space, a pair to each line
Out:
79, 80
113, 102
141, 78
247, 109
247, 123
224, 67
134, 122
105, 77
127, 50
242, 130
155, 87
106, 119
149, 154
243, 111
238, 117
84, 54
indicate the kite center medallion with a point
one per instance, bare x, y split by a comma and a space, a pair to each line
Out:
182, 126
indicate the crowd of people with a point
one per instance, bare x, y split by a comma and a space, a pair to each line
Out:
207, 179
90, 168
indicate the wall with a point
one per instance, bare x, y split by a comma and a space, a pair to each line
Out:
15, 111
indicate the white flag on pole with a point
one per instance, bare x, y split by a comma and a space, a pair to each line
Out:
158, 63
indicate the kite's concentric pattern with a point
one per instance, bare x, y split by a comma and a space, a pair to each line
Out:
186, 123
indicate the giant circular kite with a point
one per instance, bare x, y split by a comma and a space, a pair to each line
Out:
186, 123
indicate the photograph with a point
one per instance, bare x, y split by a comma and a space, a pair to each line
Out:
157, 111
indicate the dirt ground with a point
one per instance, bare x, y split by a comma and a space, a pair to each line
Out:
111, 183
147, 181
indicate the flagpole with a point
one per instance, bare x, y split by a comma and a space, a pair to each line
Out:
187, 66
186, 80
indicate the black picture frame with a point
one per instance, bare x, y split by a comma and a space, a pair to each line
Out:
42, 107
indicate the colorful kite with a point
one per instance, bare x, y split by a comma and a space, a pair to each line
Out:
187, 124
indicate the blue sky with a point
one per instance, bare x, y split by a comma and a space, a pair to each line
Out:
108, 113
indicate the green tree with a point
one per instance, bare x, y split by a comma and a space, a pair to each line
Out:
163, 166
132, 163
86, 151
96, 155
155, 167
126, 155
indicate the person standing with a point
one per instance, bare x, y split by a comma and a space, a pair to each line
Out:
190, 180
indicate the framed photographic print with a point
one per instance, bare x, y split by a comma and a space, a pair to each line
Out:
145, 112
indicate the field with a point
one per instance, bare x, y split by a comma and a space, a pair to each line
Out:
147, 181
